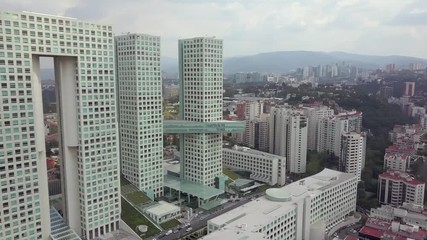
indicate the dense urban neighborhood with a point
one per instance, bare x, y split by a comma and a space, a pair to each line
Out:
103, 143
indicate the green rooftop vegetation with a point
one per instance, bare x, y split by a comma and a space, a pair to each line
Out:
137, 198
133, 219
230, 174
170, 224
124, 181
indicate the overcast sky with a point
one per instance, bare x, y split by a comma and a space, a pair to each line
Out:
376, 27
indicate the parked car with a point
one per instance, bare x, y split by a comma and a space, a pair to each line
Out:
168, 232
189, 229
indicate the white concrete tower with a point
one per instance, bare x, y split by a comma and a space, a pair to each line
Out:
84, 71
201, 76
288, 137
314, 115
353, 153
140, 111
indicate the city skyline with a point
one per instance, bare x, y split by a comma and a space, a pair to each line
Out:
252, 27
130, 164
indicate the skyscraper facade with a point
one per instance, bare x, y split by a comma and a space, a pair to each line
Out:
84, 70
140, 111
288, 137
409, 89
201, 76
353, 147
330, 130
314, 115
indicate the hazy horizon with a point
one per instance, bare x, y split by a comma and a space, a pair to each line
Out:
249, 27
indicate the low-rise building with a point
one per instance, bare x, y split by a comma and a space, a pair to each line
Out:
396, 187
407, 136
407, 213
380, 229
264, 167
162, 212
304, 209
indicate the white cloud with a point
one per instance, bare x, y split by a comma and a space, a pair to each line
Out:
253, 26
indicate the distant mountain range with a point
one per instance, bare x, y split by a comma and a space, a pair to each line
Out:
285, 61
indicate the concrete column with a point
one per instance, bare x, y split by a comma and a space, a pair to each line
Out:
40, 148
65, 76
181, 156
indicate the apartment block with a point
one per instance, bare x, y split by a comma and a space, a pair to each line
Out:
314, 115
264, 167
353, 150
253, 109
257, 133
397, 161
395, 188
330, 130
288, 137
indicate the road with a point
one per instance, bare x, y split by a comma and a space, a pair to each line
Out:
343, 232
201, 220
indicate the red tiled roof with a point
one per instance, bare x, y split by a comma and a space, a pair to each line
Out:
421, 234
371, 232
400, 238
394, 148
400, 176
351, 237
377, 223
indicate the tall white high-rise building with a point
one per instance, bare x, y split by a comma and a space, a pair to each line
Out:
314, 115
201, 75
257, 133
331, 129
254, 109
288, 137
140, 111
85, 78
353, 149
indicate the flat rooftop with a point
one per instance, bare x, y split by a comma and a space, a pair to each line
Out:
377, 228
194, 189
371, 232
162, 208
401, 176
172, 167
250, 217
240, 149
277, 201
231, 234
